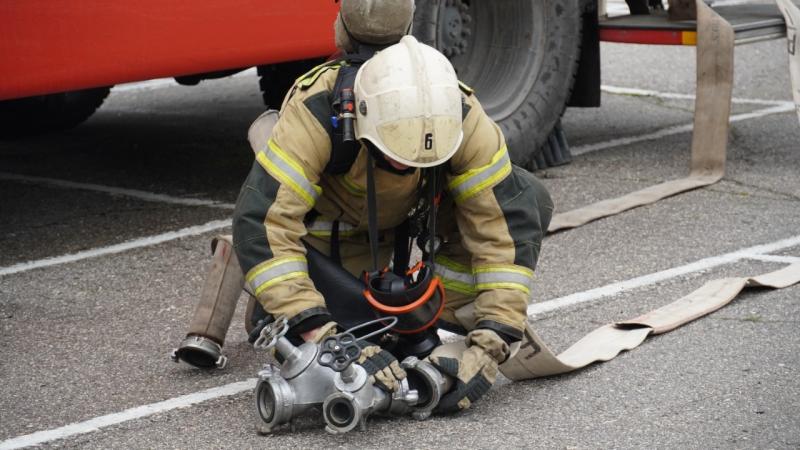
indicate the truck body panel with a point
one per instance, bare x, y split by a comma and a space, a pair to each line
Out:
49, 46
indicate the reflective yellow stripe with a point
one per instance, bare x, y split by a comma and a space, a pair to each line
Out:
324, 228
514, 286
455, 276
281, 166
310, 77
276, 280
352, 187
449, 263
457, 286
473, 181
503, 277
269, 273
505, 268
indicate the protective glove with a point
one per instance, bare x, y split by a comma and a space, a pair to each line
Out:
318, 335
474, 372
381, 366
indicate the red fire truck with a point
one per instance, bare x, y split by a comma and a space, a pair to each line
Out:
527, 59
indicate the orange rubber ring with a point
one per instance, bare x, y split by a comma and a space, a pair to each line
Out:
432, 321
403, 309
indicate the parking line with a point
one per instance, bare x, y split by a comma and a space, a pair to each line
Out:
133, 193
646, 280
138, 412
184, 401
117, 248
677, 129
619, 90
776, 258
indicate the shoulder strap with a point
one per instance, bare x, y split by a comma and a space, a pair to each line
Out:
344, 154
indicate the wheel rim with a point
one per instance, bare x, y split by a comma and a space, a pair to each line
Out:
504, 35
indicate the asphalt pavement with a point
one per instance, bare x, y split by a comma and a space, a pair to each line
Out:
97, 285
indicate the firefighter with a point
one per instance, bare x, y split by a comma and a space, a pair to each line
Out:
302, 192
413, 120
361, 25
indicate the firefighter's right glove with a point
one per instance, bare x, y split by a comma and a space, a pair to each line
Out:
381, 366
474, 372
318, 335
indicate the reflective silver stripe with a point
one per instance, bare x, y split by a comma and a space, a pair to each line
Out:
281, 165
324, 227
449, 274
466, 187
502, 276
273, 273
456, 281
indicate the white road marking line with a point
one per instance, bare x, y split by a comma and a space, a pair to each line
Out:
776, 258
138, 412
619, 90
677, 129
117, 248
167, 82
133, 193
90, 425
646, 280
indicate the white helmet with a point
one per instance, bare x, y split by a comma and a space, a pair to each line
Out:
409, 104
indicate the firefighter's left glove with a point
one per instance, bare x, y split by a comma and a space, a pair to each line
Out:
381, 366
474, 372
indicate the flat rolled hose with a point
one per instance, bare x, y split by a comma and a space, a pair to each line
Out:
220, 293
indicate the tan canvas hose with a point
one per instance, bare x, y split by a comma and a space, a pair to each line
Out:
710, 137
715, 42
535, 359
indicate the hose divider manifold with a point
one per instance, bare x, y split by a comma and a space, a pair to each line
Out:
326, 377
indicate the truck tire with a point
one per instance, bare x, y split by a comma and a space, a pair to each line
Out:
520, 57
276, 79
53, 112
